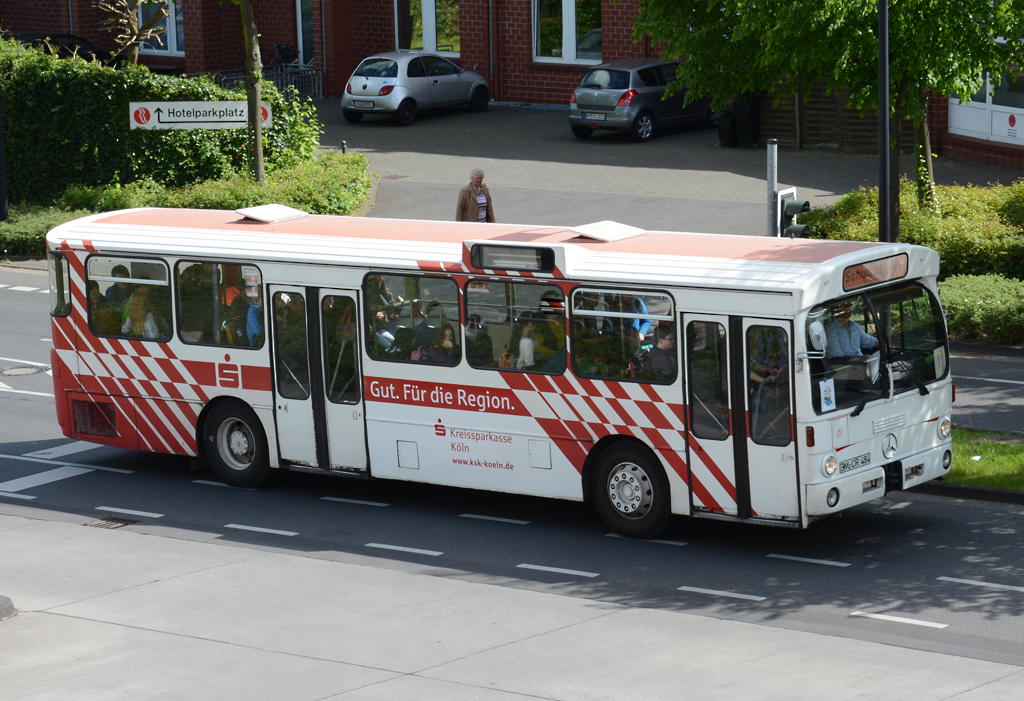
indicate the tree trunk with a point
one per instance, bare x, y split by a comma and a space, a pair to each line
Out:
253, 76
923, 153
895, 119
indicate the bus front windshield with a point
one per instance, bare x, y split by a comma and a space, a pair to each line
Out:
864, 336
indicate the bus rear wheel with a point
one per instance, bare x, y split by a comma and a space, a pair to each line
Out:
631, 493
236, 444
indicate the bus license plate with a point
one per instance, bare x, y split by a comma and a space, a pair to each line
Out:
594, 116
854, 463
361, 103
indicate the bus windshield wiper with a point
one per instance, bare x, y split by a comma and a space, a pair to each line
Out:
906, 367
860, 407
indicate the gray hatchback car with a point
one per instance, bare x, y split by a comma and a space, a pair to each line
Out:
400, 84
626, 95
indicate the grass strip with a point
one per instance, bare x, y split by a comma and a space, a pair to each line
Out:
1000, 462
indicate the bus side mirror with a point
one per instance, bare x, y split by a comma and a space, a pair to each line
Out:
816, 332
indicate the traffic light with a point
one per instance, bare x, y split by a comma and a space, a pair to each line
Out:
788, 208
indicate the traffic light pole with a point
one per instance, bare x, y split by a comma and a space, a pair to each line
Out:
883, 121
3, 170
773, 188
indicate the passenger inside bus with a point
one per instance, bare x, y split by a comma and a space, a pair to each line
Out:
119, 293
104, 316
659, 363
140, 320
446, 350
254, 320
479, 346
523, 344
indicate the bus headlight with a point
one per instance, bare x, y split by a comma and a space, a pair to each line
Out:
945, 427
829, 465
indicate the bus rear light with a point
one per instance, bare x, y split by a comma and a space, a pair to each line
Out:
627, 98
94, 419
810, 436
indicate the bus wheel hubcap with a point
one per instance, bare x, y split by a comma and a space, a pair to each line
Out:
235, 444
630, 490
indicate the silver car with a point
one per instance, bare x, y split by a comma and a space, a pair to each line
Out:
626, 95
400, 84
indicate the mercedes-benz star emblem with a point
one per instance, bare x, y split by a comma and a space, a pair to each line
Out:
889, 446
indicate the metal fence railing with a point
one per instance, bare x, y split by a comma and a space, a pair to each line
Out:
307, 80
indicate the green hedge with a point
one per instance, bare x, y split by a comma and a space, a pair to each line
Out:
66, 122
331, 183
986, 308
975, 229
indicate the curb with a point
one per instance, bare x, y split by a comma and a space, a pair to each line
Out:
371, 197
966, 491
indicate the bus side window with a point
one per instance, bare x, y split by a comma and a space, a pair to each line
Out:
413, 318
709, 380
220, 304
624, 335
129, 298
515, 326
341, 371
60, 285
290, 337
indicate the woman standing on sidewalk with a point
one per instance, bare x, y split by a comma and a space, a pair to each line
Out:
475, 200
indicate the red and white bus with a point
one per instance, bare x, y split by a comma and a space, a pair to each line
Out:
771, 381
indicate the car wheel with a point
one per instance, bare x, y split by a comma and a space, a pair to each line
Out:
236, 445
643, 127
478, 102
406, 113
631, 492
582, 132
351, 116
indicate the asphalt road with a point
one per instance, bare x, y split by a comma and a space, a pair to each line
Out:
948, 574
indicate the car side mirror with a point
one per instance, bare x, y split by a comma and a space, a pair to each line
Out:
816, 332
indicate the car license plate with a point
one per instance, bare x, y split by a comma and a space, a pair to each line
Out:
594, 116
362, 103
854, 463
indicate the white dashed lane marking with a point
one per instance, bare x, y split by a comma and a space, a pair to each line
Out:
558, 570
129, 512
990, 379
830, 563
60, 451
899, 619
16, 496
22, 288
974, 582
41, 478
403, 549
498, 519
650, 540
355, 501
715, 592
256, 529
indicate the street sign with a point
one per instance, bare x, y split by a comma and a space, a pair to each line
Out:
194, 115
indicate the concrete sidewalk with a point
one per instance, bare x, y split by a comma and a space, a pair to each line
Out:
150, 612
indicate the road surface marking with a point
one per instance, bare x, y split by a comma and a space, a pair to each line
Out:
558, 570
55, 475
399, 548
988, 379
46, 340
514, 521
811, 560
222, 484
44, 292
22, 288
60, 451
715, 592
3, 286
26, 362
255, 529
899, 619
21, 391
16, 496
356, 501
64, 463
115, 510
649, 540
975, 582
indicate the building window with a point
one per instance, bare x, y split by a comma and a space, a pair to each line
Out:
567, 30
428, 25
993, 113
172, 41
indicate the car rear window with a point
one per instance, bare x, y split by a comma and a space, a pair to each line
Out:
603, 78
378, 68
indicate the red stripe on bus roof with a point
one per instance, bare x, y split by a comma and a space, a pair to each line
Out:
652, 243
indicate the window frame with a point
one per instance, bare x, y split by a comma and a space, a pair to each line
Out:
369, 332
671, 317
177, 308
516, 281
429, 31
568, 37
88, 297
169, 37
65, 276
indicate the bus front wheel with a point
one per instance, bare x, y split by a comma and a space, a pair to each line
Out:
236, 444
631, 493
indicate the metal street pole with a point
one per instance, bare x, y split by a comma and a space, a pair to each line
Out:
883, 120
773, 188
3, 170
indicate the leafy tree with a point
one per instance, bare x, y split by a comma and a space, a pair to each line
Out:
733, 47
123, 21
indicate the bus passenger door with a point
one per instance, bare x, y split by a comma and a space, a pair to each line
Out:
342, 381
294, 406
767, 377
710, 445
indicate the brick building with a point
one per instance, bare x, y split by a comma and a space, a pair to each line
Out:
529, 50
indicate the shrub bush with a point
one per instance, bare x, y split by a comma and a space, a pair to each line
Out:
24, 232
66, 122
974, 229
984, 308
